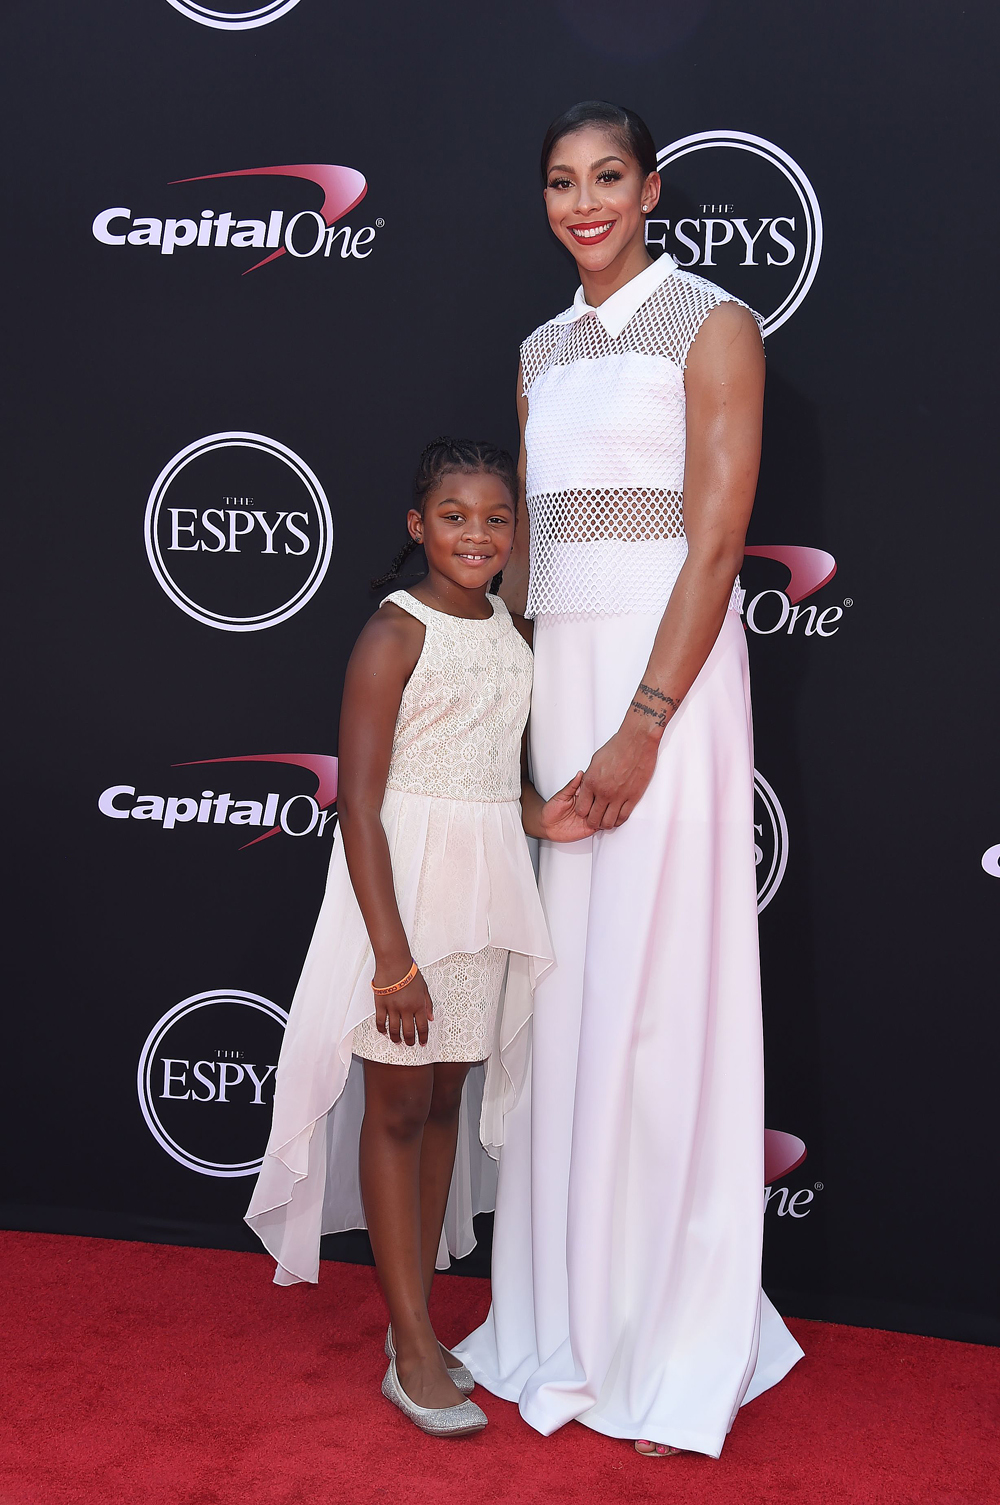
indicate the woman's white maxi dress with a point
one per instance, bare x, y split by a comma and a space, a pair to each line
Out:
464, 883
626, 1257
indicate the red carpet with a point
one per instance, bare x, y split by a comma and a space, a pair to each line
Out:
137, 1372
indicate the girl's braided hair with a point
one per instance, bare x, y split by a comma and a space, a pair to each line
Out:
443, 457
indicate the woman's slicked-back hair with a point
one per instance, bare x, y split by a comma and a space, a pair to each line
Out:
628, 129
444, 457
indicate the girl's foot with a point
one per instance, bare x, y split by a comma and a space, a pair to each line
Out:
426, 1381
460, 1377
463, 1420
655, 1449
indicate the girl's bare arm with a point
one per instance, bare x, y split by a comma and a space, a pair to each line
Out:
556, 819
384, 657
514, 589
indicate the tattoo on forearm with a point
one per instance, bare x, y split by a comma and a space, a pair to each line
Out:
652, 693
660, 713
660, 717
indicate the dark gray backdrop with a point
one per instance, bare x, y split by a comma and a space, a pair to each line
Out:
878, 740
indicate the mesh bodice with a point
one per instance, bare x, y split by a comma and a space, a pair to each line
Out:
605, 442
464, 707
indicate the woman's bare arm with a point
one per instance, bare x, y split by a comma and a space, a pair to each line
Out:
725, 390
514, 589
384, 657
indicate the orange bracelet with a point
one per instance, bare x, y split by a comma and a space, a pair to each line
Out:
397, 987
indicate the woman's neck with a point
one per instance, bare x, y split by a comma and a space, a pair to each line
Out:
599, 286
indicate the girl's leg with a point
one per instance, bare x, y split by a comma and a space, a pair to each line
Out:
397, 1102
437, 1158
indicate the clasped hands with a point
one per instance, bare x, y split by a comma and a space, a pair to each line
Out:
603, 796
596, 799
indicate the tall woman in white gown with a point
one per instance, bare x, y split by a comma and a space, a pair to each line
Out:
626, 1260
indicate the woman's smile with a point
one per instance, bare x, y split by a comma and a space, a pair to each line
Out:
589, 235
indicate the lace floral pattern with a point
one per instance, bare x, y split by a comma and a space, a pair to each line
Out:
458, 734
465, 991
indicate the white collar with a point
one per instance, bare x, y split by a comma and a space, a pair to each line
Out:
615, 312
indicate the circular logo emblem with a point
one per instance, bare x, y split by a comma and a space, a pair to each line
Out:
741, 212
238, 531
206, 1080
770, 840
234, 17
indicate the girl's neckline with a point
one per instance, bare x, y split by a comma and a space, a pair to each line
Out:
477, 621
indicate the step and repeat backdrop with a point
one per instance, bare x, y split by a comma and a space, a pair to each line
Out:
259, 255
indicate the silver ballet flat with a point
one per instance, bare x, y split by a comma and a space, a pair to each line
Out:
461, 1377
448, 1421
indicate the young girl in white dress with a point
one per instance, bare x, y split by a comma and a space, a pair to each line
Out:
431, 934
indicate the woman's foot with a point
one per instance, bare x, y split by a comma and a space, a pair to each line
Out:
655, 1449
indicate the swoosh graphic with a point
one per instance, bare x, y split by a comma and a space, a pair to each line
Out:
343, 189
808, 569
783, 1153
322, 765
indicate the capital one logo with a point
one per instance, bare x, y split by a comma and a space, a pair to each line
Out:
772, 611
238, 531
296, 814
784, 1153
206, 1080
740, 211
770, 840
303, 234
235, 17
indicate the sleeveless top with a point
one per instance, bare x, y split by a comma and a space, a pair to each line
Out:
458, 733
605, 441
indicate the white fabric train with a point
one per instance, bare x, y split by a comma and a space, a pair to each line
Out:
626, 1253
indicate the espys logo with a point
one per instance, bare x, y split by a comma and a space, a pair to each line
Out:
206, 1080
235, 17
743, 211
238, 531
772, 610
303, 234
770, 840
298, 814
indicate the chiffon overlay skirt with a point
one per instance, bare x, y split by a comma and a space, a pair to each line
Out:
464, 881
627, 1247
